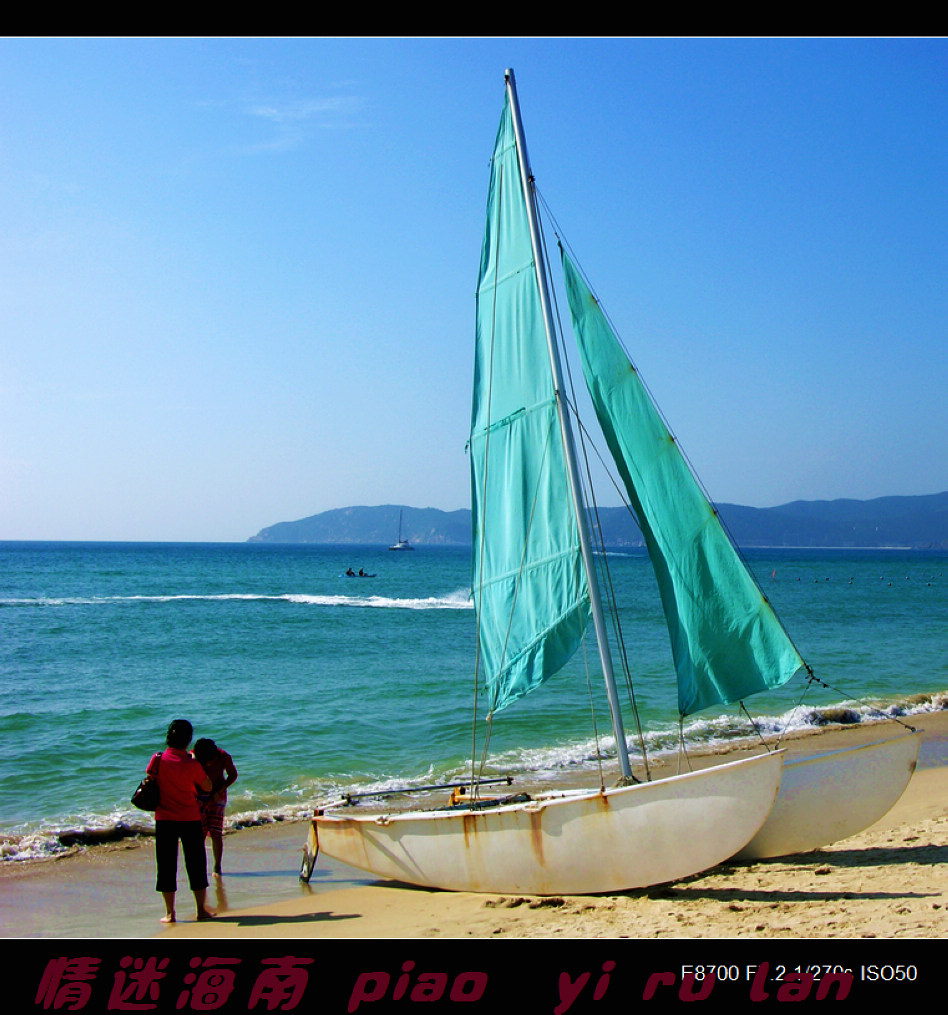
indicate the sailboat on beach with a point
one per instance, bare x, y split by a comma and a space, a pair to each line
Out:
536, 587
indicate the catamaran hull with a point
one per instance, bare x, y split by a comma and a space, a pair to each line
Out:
831, 796
572, 844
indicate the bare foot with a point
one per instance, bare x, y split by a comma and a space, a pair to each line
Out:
168, 918
206, 914
218, 874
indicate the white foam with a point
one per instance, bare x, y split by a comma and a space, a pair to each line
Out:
459, 600
452, 601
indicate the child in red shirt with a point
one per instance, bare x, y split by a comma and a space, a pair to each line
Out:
220, 769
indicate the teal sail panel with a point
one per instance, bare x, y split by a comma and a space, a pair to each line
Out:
529, 586
727, 643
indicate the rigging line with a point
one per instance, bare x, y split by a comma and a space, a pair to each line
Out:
607, 468
476, 784
613, 598
682, 749
480, 588
586, 435
787, 726
592, 710
861, 701
620, 646
642, 381
593, 509
618, 629
569, 400
605, 573
796, 708
592, 513
694, 473
587, 441
756, 727
605, 313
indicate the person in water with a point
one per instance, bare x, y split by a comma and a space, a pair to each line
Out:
219, 767
178, 818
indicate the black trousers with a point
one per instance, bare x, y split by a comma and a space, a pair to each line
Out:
191, 835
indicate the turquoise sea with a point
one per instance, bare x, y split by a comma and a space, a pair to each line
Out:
317, 683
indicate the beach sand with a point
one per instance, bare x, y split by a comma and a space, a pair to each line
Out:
890, 881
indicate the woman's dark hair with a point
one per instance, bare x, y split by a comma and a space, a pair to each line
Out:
205, 750
179, 734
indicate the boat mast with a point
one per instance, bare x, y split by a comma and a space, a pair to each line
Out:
566, 431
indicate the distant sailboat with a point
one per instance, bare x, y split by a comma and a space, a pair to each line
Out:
536, 586
401, 544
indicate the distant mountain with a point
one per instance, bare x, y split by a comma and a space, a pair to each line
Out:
371, 526
918, 522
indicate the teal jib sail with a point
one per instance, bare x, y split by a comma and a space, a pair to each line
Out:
726, 640
529, 587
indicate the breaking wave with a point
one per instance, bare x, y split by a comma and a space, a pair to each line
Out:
459, 600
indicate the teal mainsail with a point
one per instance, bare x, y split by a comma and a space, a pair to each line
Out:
529, 587
727, 643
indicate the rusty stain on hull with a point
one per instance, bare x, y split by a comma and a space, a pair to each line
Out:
469, 823
536, 834
350, 833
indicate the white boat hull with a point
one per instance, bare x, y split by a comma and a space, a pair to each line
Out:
579, 843
831, 796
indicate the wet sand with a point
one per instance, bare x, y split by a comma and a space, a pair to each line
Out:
890, 881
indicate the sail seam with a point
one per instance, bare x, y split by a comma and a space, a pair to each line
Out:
513, 417
580, 607
499, 280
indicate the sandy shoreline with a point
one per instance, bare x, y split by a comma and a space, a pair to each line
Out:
890, 881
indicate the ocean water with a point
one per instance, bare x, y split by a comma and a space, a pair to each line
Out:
318, 683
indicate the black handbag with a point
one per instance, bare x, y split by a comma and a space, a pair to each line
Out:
145, 798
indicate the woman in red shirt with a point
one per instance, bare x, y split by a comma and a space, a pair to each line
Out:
178, 817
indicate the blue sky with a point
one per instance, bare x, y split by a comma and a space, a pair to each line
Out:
237, 276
